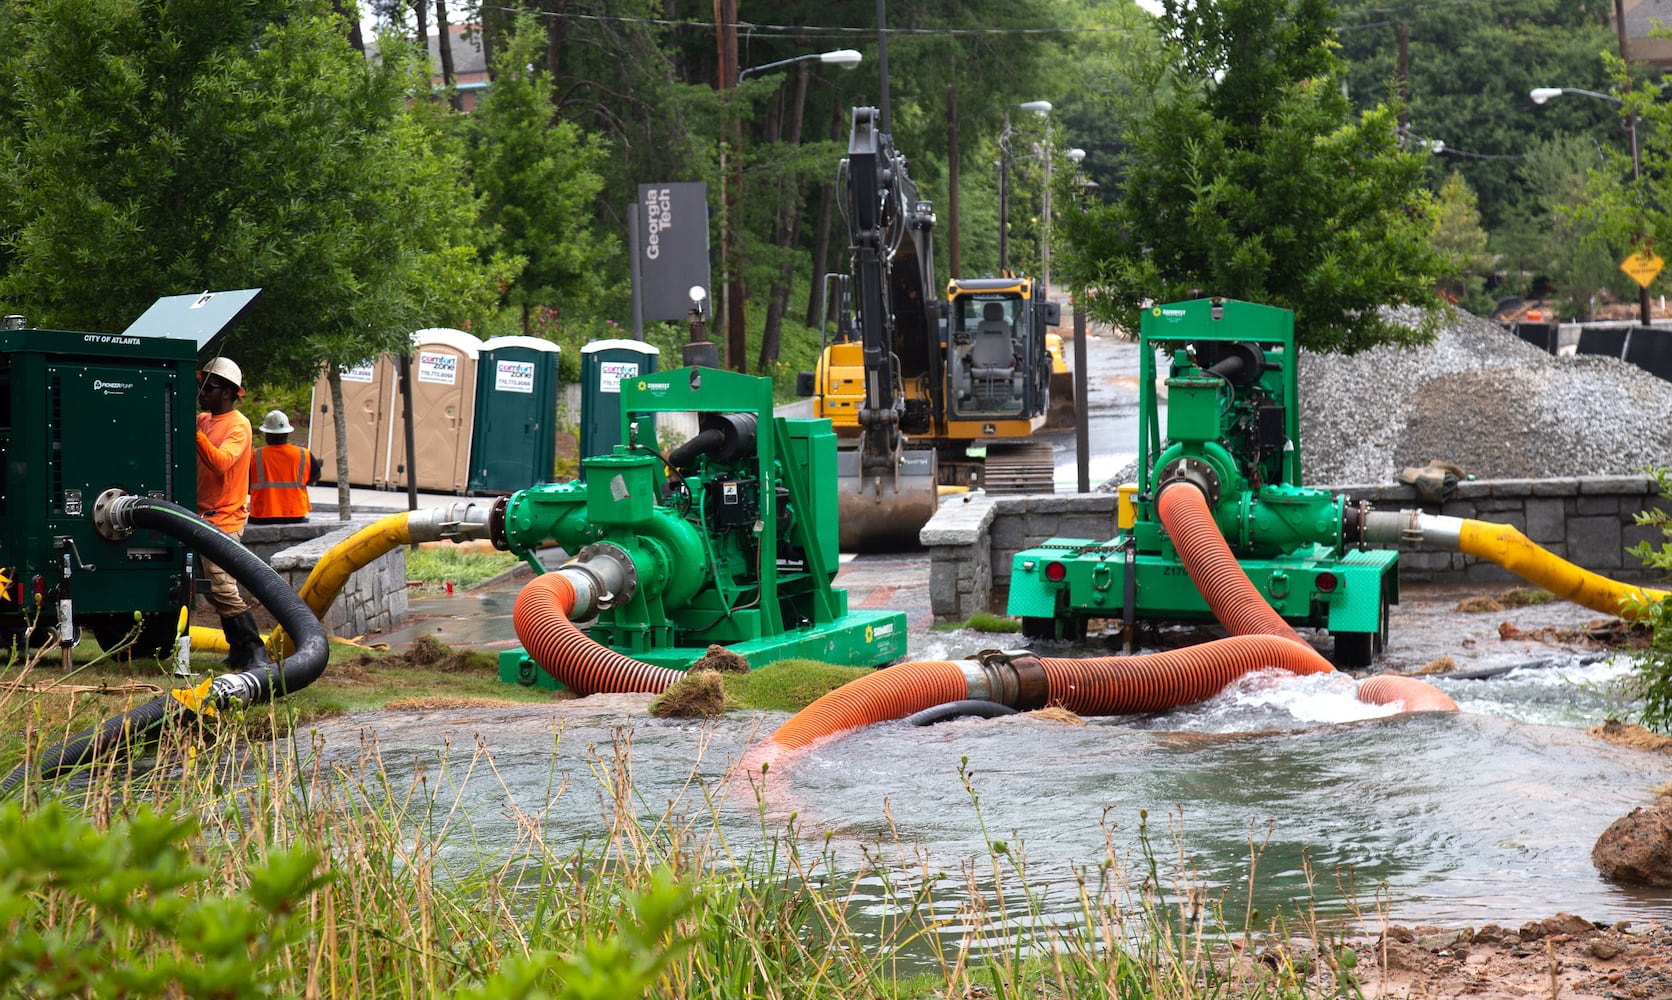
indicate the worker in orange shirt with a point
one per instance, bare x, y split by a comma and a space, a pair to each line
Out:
280, 474
223, 498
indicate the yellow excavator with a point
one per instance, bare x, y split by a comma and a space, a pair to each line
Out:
925, 395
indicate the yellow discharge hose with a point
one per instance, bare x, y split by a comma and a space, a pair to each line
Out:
327, 579
344, 559
1508, 547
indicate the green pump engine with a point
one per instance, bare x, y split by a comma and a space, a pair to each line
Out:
729, 538
1232, 417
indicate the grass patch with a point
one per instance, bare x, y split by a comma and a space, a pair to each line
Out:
1522, 597
437, 565
787, 685
981, 621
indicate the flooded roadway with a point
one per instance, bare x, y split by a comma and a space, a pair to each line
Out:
1487, 815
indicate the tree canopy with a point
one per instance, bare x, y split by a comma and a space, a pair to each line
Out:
164, 146
1248, 176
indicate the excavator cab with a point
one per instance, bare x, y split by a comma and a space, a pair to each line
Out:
997, 367
987, 347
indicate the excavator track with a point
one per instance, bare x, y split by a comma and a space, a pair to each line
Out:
1013, 469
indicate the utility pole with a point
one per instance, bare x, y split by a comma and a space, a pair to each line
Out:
732, 289
952, 177
1645, 311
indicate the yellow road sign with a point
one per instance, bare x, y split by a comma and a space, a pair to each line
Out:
1642, 267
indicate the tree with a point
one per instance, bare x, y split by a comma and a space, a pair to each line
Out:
1468, 70
1247, 177
1457, 235
160, 146
538, 177
1634, 212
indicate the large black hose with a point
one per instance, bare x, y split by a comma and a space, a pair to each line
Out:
245, 688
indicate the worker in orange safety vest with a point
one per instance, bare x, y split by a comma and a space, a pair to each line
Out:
223, 499
280, 474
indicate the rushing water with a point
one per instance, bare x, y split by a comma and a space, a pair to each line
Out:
1484, 815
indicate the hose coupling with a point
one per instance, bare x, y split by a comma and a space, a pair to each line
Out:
1011, 677
603, 576
232, 690
1414, 528
1195, 472
113, 514
454, 522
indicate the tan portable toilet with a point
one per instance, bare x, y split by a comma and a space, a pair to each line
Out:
443, 411
368, 397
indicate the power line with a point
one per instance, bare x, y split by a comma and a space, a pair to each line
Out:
803, 30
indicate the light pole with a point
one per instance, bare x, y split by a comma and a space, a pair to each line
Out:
1542, 94
1076, 155
1043, 110
845, 58
730, 314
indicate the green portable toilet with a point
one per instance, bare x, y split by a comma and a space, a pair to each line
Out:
514, 443
605, 364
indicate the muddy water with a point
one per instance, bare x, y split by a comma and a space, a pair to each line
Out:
1486, 815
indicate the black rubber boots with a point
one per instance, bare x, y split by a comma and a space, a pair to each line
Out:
244, 638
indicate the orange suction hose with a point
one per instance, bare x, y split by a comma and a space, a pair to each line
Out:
1121, 685
1415, 695
1213, 569
893, 693
541, 618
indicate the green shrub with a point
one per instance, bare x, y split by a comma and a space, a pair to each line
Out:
1651, 681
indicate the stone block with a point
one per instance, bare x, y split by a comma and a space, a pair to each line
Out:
1546, 519
1619, 485
1472, 489
1427, 562
1595, 542
1555, 488
1593, 505
1497, 505
1516, 488
1485, 572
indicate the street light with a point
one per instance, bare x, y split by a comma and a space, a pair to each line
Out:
845, 58
1542, 94
1043, 110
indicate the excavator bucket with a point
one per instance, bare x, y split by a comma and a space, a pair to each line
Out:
1060, 416
884, 512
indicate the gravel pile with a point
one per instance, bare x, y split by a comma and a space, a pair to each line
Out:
1483, 399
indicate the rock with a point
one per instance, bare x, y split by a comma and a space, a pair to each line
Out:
1637, 848
1603, 949
1400, 956
1442, 940
1569, 924
1493, 934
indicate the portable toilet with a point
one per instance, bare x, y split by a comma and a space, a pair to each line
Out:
514, 444
369, 399
605, 364
443, 386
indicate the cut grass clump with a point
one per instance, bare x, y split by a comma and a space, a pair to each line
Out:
787, 685
981, 621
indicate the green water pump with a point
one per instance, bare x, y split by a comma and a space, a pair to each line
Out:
1233, 432
728, 538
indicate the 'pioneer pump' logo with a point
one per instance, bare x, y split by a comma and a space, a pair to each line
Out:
111, 388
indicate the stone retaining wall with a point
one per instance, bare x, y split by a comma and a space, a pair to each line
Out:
1588, 521
374, 597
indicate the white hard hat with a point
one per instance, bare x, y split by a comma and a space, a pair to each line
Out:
227, 369
276, 423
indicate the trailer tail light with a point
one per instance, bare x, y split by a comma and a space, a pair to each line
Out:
1055, 572
1326, 583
